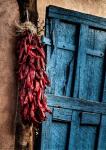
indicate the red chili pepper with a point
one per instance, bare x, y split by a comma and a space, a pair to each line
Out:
37, 86
32, 78
42, 63
41, 52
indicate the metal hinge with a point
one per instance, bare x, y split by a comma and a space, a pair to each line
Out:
45, 40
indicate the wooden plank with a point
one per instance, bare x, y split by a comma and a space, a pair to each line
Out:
76, 17
95, 65
104, 96
70, 79
58, 71
87, 137
81, 135
96, 53
66, 46
90, 118
102, 135
59, 135
50, 68
68, 12
104, 90
76, 20
74, 131
61, 45
87, 85
50, 135
61, 114
79, 90
46, 134
65, 41
90, 69
76, 104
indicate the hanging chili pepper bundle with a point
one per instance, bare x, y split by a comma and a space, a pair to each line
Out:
32, 77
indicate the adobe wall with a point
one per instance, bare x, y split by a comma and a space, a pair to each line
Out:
94, 7
8, 14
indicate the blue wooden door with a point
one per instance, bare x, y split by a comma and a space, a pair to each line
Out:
76, 66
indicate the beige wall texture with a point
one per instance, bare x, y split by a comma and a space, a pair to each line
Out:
94, 7
8, 15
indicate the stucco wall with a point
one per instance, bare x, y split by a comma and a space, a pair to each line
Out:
8, 15
94, 7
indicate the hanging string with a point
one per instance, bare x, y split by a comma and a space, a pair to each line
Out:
27, 15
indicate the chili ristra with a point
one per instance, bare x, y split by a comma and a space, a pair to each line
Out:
32, 77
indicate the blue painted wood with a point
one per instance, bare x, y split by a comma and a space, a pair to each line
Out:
80, 136
104, 90
87, 138
55, 131
76, 52
79, 89
80, 126
76, 17
62, 45
90, 64
59, 136
61, 59
76, 104
62, 114
95, 53
94, 64
90, 118
74, 131
46, 133
102, 135
89, 79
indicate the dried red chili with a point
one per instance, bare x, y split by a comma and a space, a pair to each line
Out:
32, 77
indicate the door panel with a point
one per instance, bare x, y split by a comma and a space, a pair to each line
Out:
61, 57
72, 128
76, 56
58, 126
84, 135
66, 38
90, 68
88, 83
94, 63
102, 135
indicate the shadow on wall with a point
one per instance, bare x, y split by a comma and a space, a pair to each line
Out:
31, 6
